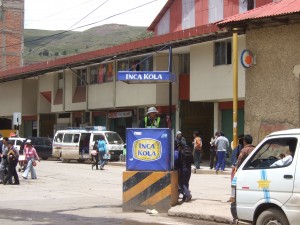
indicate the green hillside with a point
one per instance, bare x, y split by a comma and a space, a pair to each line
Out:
41, 45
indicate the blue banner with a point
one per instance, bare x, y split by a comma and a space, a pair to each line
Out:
148, 149
146, 76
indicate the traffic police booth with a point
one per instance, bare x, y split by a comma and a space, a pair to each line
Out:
149, 181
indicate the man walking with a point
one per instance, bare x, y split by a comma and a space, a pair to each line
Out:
222, 144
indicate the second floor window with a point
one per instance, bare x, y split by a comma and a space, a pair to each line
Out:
60, 80
81, 77
222, 53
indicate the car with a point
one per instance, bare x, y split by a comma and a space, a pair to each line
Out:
17, 142
43, 146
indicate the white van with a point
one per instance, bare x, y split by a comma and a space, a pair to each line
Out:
267, 184
78, 143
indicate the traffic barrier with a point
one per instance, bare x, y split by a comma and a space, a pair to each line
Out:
149, 190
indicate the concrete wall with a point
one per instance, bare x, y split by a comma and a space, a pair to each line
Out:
11, 97
70, 87
29, 97
59, 107
213, 83
101, 96
272, 90
45, 83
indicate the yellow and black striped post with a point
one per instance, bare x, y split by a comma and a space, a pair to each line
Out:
149, 190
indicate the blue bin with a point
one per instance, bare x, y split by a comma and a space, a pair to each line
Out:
148, 149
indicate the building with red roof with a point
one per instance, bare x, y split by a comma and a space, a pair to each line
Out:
84, 89
272, 83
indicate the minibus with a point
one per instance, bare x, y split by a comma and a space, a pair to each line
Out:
77, 144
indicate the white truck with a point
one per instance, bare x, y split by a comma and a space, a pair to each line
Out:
267, 184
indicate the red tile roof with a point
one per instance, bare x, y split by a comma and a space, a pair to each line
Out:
135, 47
276, 8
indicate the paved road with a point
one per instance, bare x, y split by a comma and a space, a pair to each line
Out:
72, 193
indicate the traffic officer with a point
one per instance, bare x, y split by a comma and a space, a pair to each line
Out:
151, 120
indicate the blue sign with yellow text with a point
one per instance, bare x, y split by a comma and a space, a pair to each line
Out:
148, 149
146, 76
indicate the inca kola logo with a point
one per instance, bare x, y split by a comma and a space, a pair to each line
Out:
147, 149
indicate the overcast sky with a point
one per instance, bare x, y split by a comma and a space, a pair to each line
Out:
66, 14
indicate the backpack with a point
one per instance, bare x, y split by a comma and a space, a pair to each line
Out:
187, 155
11, 157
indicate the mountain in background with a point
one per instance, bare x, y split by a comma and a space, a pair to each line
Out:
42, 45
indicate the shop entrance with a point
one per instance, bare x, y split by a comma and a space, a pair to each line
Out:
197, 116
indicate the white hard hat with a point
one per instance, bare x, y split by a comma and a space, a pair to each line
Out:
178, 132
151, 110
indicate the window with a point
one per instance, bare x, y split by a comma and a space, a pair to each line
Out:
105, 73
184, 62
39, 141
163, 26
68, 138
94, 75
81, 77
58, 138
215, 10
144, 63
222, 54
273, 153
114, 138
19, 142
76, 138
48, 142
188, 14
60, 80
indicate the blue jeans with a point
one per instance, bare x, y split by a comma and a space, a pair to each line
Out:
221, 160
30, 168
102, 161
185, 175
197, 158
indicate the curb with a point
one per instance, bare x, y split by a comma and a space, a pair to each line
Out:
195, 216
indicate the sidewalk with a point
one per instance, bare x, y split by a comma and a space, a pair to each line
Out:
210, 193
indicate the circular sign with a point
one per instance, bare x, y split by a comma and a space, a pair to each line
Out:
247, 58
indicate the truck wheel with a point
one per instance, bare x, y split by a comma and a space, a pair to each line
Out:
272, 216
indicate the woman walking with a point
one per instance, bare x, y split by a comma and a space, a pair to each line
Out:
95, 155
30, 157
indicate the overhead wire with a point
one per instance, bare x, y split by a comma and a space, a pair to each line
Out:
90, 24
86, 25
43, 45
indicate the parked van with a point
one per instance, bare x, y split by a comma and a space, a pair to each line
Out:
78, 143
267, 184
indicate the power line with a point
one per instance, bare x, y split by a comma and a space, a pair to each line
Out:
59, 12
63, 32
43, 45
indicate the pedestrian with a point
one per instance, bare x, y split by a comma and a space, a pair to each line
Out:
247, 149
222, 144
212, 155
236, 151
3, 164
197, 149
186, 160
95, 155
12, 162
152, 120
30, 157
178, 142
102, 149
1, 144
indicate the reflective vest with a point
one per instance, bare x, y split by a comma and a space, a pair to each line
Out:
154, 124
